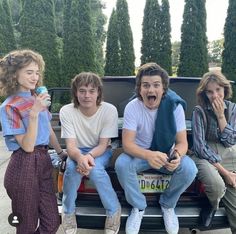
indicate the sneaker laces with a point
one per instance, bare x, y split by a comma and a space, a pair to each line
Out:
170, 214
110, 222
137, 217
70, 222
170, 220
113, 221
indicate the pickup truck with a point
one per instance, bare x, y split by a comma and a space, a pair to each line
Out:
90, 212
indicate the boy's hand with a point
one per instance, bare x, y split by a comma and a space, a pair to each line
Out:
85, 164
173, 164
156, 159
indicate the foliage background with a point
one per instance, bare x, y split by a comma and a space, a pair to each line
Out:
58, 45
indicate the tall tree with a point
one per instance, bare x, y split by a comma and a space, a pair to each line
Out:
127, 57
86, 39
16, 8
201, 6
79, 53
7, 38
71, 41
193, 50
59, 6
38, 33
69, 47
229, 52
151, 41
98, 22
112, 48
165, 37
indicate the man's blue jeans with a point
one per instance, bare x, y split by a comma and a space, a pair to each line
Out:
127, 168
98, 176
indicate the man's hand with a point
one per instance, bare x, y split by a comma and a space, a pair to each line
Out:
156, 159
173, 164
84, 164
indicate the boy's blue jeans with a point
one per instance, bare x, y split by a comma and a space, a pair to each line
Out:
97, 175
127, 167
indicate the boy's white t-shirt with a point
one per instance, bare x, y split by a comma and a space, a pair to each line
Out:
138, 118
88, 130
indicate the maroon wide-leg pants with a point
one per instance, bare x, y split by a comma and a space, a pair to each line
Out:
29, 184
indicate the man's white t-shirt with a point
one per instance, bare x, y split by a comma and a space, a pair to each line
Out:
88, 130
138, 118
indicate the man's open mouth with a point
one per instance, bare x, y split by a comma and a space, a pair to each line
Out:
152, 98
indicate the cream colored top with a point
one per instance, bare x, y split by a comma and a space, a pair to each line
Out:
88, 130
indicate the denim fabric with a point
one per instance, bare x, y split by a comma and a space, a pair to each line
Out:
98, 176
127, 168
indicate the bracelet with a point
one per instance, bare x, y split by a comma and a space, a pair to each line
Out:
178, 152
90, 154
60, 152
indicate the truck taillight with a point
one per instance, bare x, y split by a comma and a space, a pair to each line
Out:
87, 186
60, 182
199, 187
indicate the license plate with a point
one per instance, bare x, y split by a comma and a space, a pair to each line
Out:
153, 183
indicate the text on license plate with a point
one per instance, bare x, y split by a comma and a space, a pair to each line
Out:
153, 183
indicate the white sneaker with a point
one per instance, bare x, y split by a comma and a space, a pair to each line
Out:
112, 224
69, 224
133, 222
171, 220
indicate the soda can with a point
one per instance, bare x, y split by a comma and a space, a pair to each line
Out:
43, 89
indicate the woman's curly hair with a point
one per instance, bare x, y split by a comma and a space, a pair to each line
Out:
12, 63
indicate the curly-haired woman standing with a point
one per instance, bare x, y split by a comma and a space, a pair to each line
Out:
27, 130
